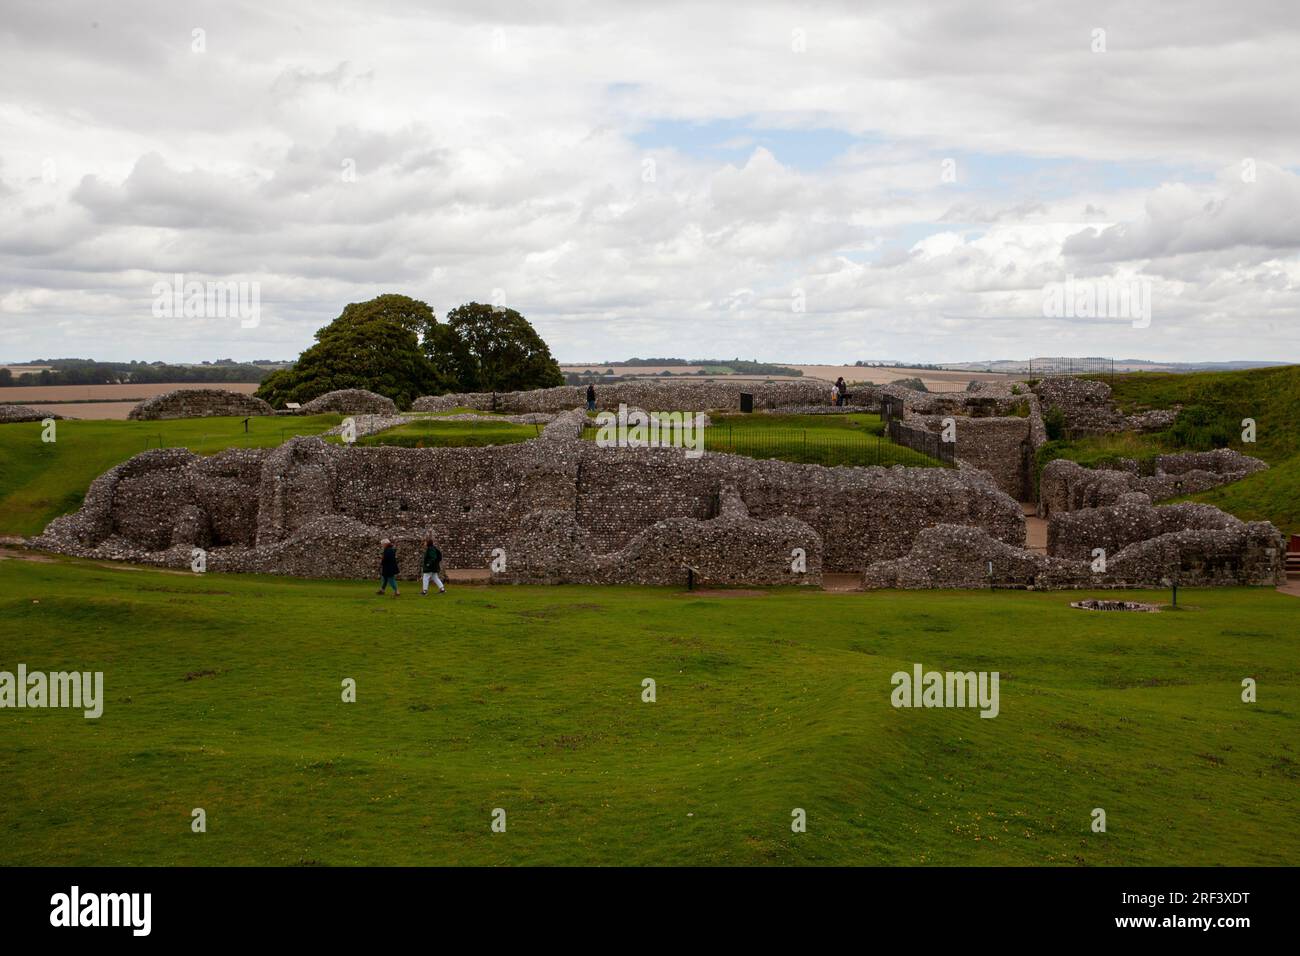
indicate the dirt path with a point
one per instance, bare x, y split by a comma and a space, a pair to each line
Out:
1035, 528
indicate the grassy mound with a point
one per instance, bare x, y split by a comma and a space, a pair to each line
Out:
1214, 403
223, 692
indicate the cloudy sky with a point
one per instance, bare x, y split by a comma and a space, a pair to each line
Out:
812, 182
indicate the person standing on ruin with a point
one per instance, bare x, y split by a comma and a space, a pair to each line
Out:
591, 397
388, 568
842, 391
835, 393
432, 567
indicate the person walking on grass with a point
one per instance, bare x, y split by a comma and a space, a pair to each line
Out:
388, 568
432, 567
591, 397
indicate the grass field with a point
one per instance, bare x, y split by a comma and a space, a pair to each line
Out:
850, 439
1270, 396
223, 692
433, 432
41, 480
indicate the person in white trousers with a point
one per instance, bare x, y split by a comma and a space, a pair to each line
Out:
432, 567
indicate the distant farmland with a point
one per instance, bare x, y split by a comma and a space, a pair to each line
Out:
102, 401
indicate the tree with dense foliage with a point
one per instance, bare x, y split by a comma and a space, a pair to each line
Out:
395, 346
485, 348
375, 345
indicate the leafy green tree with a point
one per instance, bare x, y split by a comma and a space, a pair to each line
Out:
374, 345
483, 348
412, 314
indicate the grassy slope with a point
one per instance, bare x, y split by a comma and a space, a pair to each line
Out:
1271, 396
40, 481
529, 699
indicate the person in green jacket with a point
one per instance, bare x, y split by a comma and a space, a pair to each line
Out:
432, 567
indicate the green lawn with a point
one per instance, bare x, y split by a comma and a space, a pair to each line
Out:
433, 432
848, 439
1272, 495
1270, 396
223, 692
40, 481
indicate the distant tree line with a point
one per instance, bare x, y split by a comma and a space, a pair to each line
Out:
922, 365
90, 372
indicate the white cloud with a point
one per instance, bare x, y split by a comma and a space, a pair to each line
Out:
494, 148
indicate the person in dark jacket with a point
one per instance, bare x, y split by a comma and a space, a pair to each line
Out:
432, 567
388, 568
591, 398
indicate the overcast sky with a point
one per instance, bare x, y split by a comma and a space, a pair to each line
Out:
804, 182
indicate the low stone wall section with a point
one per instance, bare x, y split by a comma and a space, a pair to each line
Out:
21, 413
951, 556
350, 401
199, 403
1068, 486
670, 396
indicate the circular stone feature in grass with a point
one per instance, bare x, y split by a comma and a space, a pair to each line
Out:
1095, 605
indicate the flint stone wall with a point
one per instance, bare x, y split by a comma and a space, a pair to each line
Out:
199, 403
998, 428
952, 556
313, 509
1089, 409
1068, 486
1000, 446
1086, 404
685, 396
350, 401
21, 413
727, 550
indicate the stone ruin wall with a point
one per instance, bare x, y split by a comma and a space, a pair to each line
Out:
314, 509
1145, 547
989, 434
22, 413
350, 401
199, 403
566, 510
1068, 486
685, 396
1088, 409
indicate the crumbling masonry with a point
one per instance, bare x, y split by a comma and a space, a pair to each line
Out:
560, 509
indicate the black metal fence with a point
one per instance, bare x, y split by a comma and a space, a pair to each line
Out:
891, 407
1046, 367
